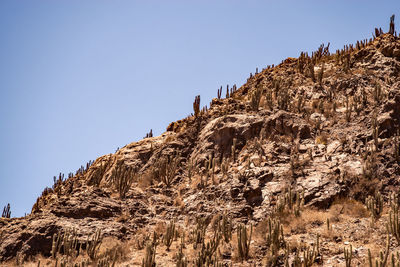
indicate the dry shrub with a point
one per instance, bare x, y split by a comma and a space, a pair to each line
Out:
360, 187
160, 227
322, 139
140, 239
112, 246
349, 207
309, 218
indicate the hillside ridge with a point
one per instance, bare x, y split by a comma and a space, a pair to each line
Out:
303, 157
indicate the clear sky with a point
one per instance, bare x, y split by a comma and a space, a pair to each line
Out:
80, 78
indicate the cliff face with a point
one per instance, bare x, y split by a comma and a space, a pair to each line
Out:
303, 143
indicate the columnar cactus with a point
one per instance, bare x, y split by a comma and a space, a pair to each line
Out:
382, 260
375, 205
255, 98
169, 235
219, 92
275, 238
244, 240
150, 256
348, 254
196, 106
233, 148
394, 223
6, 211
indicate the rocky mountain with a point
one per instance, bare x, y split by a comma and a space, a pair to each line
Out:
297, 167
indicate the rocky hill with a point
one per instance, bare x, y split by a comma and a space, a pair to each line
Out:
297, 167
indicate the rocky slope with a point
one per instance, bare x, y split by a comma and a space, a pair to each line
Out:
301, 144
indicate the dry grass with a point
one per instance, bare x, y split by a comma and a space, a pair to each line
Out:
348, 207
322, 139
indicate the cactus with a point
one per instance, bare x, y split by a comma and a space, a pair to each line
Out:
255, 99
225, 227
93, 244
166, 168
348, 254
382, 260
395, 261
6, 211
233, 148
391, 25
394, 222
244, 240
292, 202
122, 177
219, 92
169, 235
149, 134
150, 256
66, 242
190, 169
396, 146
275, 238
200, 231
224, 168
181, 259
321, 74
309, 256
205, 255
213, 170
196, 106
375, 205
310, 66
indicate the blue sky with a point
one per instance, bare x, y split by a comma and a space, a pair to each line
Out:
80, 78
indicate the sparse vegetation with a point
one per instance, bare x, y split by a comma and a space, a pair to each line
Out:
305, 158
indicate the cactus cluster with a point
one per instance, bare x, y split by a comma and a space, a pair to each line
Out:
149, 134
291, 202
309, 256
150, 256
256, 98
348, 255
166, 168
374, 205
169, 235
199, 233
275, 238
207, 254
225, 227
6, 211
122, 177
149, 259
68, 244
65, 243
382, 260
243, 240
